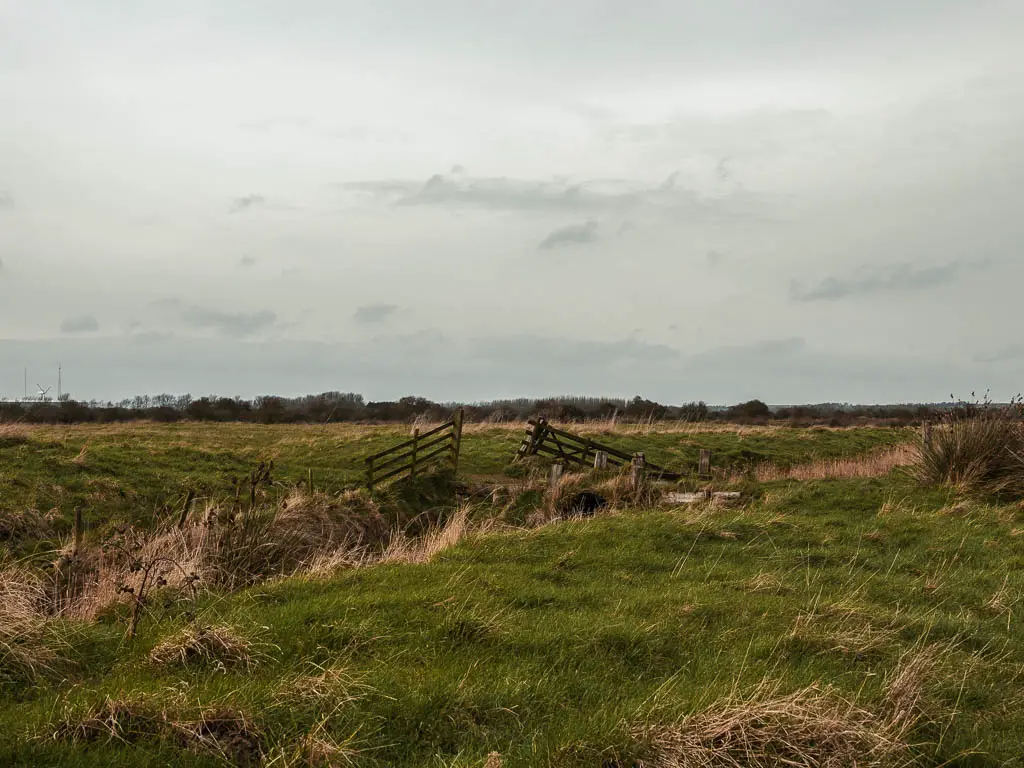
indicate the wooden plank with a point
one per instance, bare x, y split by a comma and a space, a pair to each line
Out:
408, 443
409, 454
421, 461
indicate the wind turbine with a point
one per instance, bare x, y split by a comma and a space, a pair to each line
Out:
43, 392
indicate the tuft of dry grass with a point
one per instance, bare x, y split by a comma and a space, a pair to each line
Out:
331, 686
846, 633
809, 728
29, 643
219, 646
765, 582
423, 549
813, 727
12, 433
319, 750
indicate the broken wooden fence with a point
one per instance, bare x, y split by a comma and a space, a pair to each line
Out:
438, 446
543, 439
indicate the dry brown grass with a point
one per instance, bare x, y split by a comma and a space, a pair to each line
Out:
809, 728
221, 549
30, 644
845, 632
332, 686
1003, 601
875, 464
765, 582
219, 646
423, 549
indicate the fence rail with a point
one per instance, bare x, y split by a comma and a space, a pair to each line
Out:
439, 445
545, 440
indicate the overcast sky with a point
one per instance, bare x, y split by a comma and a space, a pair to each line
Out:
796, 200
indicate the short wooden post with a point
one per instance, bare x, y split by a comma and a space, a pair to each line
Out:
183, 518
415, 445
926, 434
554, 476
78, 531
704, 468
637, 471
309, 481
601, 460
369, 475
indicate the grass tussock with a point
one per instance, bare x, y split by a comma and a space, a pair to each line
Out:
223, 731
809, 728
979, 450
422, 549
200, 645
29, 642
331, 686
13, 434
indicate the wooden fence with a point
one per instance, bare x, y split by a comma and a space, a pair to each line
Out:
543, 439
439, 445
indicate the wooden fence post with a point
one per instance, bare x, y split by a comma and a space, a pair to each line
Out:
704, 468
457, 420
554, 476
637, 471
415, 444
926, 434
78, 531
601, 460
369, 475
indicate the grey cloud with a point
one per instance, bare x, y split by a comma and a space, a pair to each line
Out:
247, 261
539, 350
6, 201
714, 258
79, 324
524, 195
1012, 352
247, 202
748, 354
573, 234
900, 277
234, 324
374, 313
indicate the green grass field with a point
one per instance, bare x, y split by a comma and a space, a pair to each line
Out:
129, 472
562, 645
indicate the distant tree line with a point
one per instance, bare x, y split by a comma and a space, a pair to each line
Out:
350, 407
